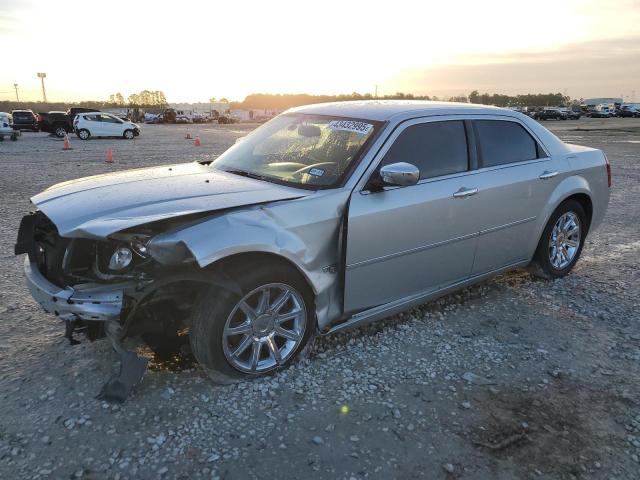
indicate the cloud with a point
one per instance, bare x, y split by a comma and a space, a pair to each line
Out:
606, 67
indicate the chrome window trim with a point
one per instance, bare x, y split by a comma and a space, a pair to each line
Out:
397, 129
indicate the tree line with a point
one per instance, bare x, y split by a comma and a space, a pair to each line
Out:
269, 101
284, 101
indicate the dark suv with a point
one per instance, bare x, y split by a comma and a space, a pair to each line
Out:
24, 120
549, 114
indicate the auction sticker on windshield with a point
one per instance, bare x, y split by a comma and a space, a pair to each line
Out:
351, 126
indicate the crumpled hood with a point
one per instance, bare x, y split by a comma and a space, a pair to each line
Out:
98, 206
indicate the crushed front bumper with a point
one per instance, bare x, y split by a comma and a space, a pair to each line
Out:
91, 301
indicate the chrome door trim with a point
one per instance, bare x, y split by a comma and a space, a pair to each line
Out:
397, 306
409, 252
507, 225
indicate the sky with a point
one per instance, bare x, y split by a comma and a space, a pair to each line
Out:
193, 50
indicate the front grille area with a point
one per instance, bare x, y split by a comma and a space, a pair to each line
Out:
49, 249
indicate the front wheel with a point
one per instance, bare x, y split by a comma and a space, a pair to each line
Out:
562, 240
128, 134
84, 134
241, 336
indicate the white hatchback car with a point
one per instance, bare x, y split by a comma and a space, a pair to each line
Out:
100, 124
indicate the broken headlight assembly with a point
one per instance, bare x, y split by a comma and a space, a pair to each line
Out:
122, 254
120, 259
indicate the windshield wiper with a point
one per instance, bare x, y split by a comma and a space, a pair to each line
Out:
245, 173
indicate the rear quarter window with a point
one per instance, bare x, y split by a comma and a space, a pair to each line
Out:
501, 142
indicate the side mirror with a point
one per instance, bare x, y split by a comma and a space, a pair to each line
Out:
400, 174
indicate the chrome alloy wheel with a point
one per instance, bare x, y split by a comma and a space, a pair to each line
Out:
265, 328
565, 240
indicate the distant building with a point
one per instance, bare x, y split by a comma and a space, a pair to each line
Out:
255, 114
593, 102
202, 108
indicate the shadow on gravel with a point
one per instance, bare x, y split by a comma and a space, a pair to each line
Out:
567, 431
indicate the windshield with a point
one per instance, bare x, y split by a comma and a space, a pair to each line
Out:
303, 150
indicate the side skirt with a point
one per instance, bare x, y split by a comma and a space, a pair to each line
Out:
406, 303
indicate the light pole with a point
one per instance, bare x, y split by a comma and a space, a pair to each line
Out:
15, 85
42, 76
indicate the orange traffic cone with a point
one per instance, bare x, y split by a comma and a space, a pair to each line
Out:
109, 156
67, 143
197, 141
187, 136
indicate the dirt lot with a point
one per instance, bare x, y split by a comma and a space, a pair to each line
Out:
513, 378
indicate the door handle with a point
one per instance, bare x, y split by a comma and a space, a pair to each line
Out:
546, 175
465, 192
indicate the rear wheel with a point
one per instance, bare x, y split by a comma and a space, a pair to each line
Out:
242, 336
562, 240
60, 131
84, 134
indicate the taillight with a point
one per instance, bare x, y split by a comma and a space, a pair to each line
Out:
608, 170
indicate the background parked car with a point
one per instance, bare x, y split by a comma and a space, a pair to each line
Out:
628, 112
572, 114
24, 120
98, 124
54, 122
6, 123
599, 114
550, 114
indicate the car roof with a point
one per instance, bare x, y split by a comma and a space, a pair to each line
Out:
22, 111
396, 111
384, 110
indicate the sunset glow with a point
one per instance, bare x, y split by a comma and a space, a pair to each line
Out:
194, 50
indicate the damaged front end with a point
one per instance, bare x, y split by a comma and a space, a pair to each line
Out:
99, 286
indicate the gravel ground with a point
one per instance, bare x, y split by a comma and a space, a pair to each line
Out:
513, 378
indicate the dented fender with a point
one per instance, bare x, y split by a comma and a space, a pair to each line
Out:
305, 232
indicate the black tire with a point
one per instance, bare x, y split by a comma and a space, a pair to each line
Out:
215, 304
541, 264
81, 134
128, 134
60, 131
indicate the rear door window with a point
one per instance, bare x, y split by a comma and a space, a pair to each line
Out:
501, 142
436, 148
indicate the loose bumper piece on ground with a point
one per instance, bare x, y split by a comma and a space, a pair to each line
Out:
91, 302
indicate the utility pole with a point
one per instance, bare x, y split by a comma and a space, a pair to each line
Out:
42, 76
15, 85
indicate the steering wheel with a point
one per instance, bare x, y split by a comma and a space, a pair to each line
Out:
300, 174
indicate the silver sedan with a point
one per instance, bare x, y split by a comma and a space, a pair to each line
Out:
327, 217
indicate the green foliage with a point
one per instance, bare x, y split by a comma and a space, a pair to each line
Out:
147, 98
